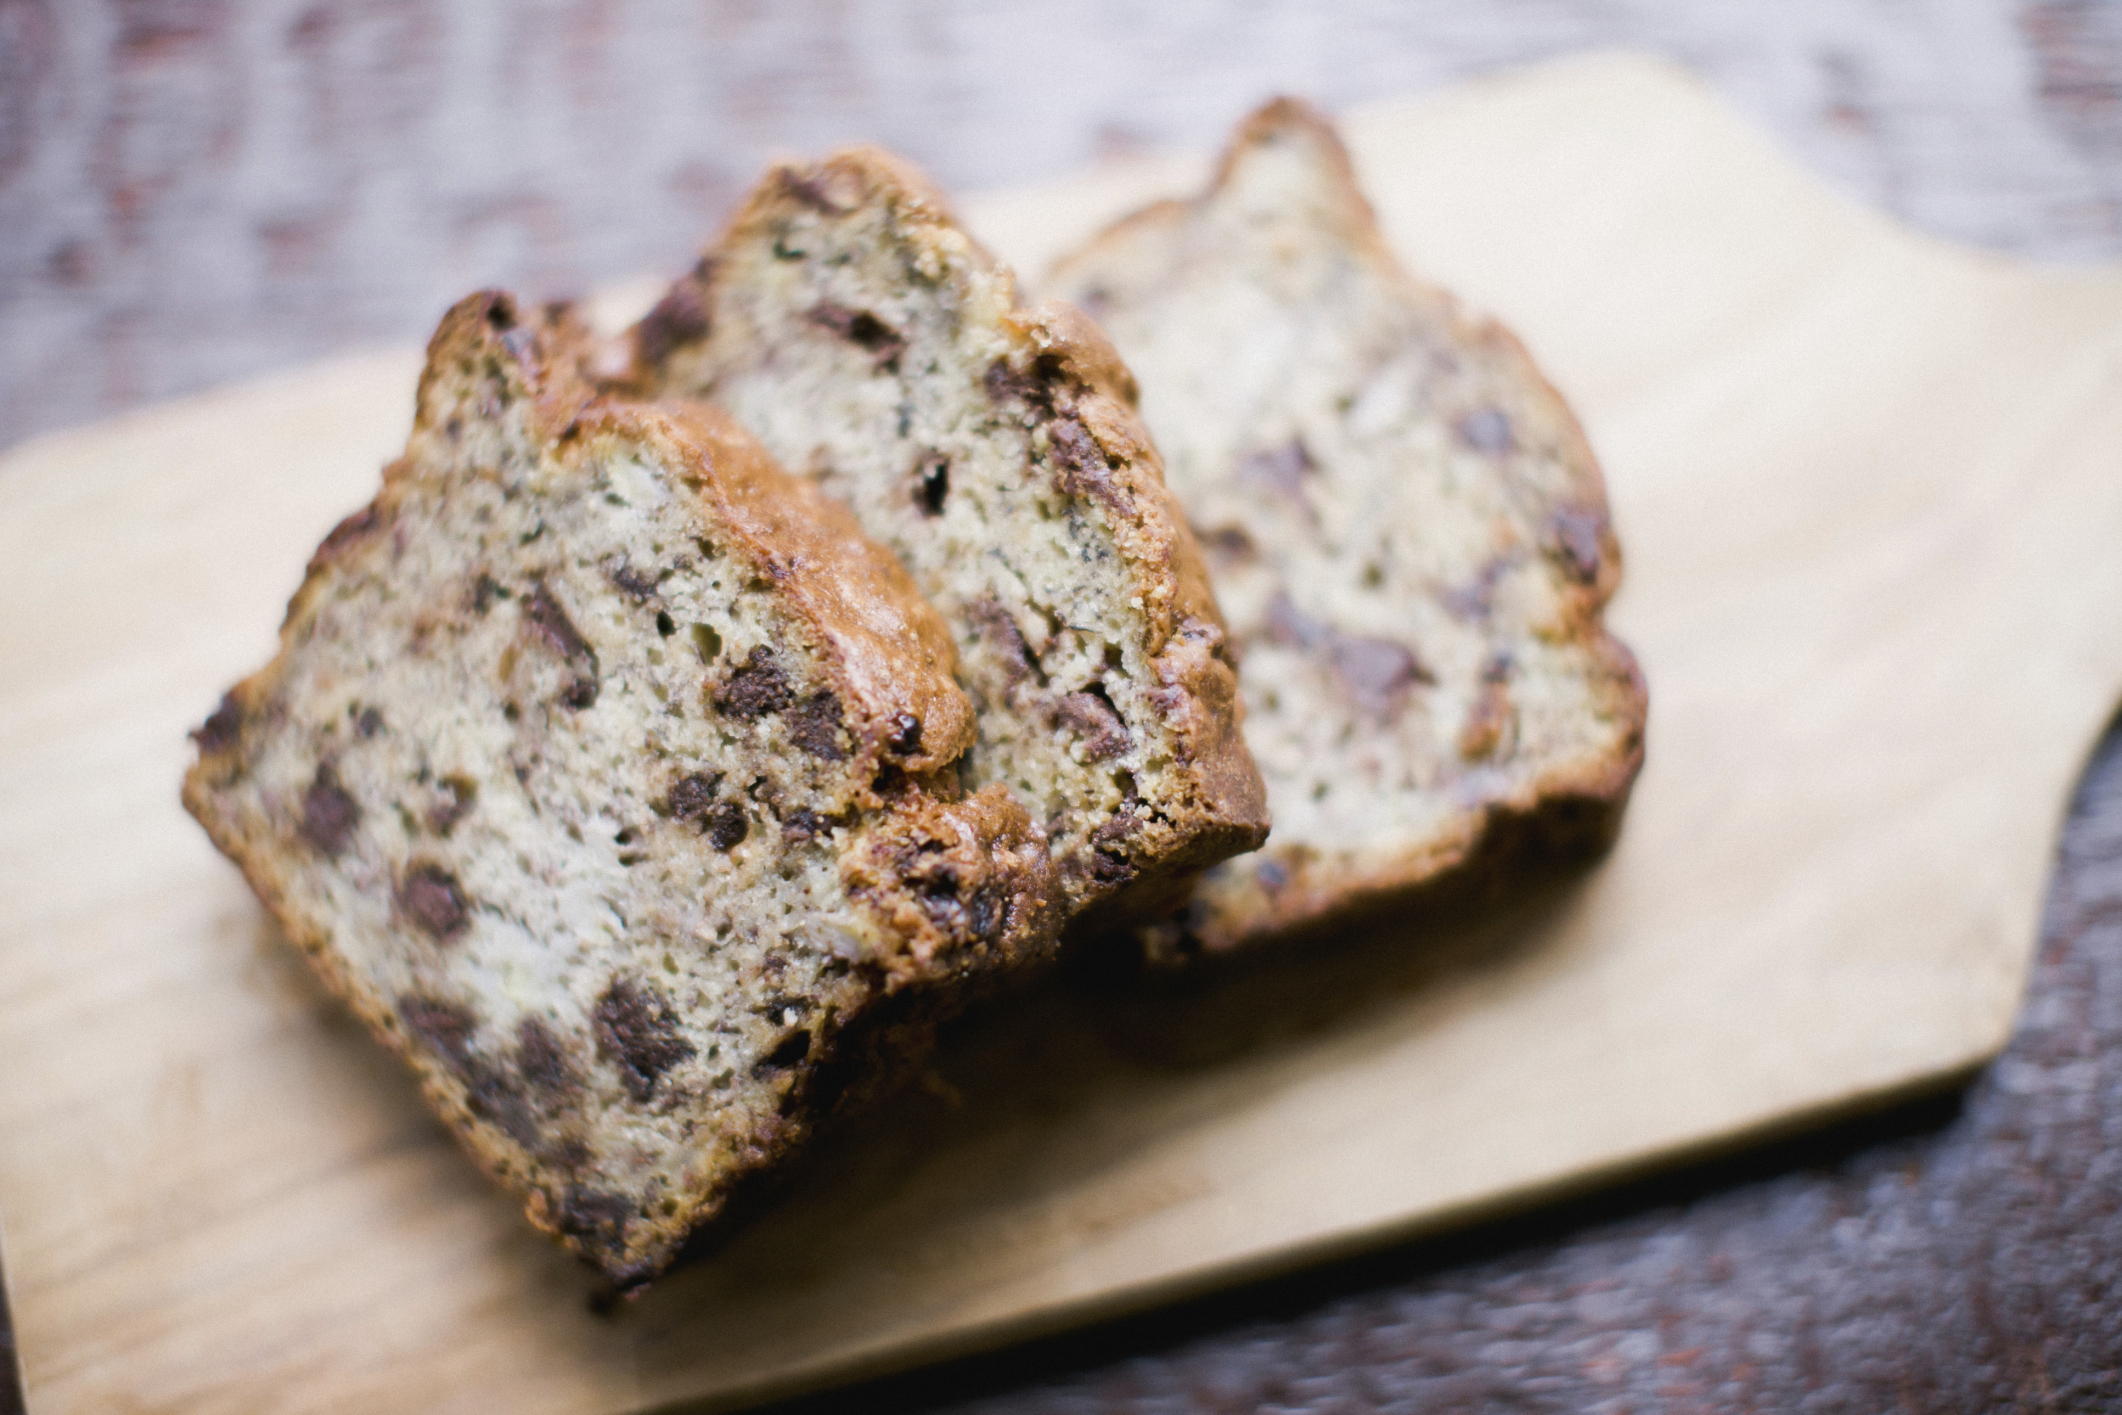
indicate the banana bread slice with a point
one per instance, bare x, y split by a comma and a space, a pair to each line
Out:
606, 771
1404, 523
848, 321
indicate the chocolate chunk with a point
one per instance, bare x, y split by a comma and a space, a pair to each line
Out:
815, 192
679, 318
722, 822
221, 730
815, 725
445, 1027
1116, 829
1075, 447
1230, 542
569, 1153
631, 582
485, 590
433, 900
1037, 386
1109, 868
1578, 535
693, 796
1094, 718
1003, 383
1474, 600
725, 825
368, 723
987, 910
637, 1031
905, 733
1111, 860
1291, 626
961, 909
943, 893
862, 329
1376, 672
1486, 430
497, 1098
754, 688
543, 1061
1280, 471
329, 814
998, 630
594, 1215
442, 817
1084, 471
801, 824
545, 615
787, 1052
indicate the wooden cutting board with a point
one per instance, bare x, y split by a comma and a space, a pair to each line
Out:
1869, 493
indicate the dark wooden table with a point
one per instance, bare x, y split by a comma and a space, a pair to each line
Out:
197, 190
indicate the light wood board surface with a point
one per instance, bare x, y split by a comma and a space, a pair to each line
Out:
1867, 489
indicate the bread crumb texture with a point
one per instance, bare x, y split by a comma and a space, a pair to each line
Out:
607, 772
1405, 526
851, 324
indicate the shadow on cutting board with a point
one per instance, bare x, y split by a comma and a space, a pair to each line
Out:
1820, 1157
1033, 1103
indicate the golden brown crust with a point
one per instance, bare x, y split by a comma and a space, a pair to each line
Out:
894, 654
961, 884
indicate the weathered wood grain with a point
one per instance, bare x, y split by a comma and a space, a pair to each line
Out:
196, 190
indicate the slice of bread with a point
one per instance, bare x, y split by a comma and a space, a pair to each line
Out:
605, 770
1405, 526
848, 321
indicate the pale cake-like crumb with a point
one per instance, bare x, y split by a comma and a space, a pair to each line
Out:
1405, 527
